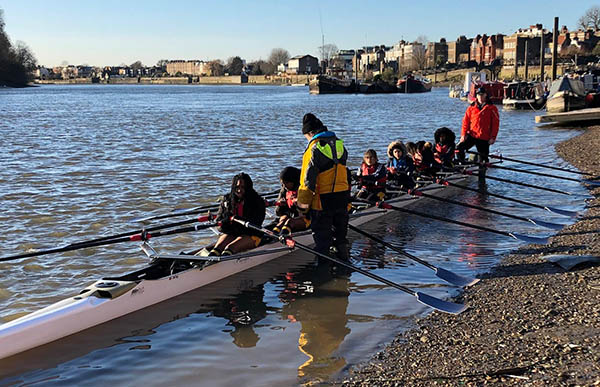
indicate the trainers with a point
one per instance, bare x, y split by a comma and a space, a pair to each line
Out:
214, 253
226, 252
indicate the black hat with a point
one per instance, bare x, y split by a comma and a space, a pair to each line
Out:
481, 90
310, 123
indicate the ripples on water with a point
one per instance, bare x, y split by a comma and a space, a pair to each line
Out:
82, 161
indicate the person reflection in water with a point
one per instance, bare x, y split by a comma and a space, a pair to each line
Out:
318, 301
243, 312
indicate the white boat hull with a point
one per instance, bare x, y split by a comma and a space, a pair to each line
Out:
95, 305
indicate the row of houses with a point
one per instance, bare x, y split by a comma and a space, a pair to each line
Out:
482, 49
83, 71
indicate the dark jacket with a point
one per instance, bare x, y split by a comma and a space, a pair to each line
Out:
252, 210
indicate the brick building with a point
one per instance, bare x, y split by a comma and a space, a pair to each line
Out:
436, 53
187, 67
460, 50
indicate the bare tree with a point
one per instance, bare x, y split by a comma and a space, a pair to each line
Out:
327, 51
590, 19
136, 65
216, 68
419, 55
422, 39
279, 56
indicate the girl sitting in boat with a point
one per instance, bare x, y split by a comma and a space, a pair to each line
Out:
444, 147
244, 203
289, 217
372, 177
400, 165
422, 155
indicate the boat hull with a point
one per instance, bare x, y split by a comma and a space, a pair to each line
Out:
564, 102
111, 298
413, 86
522, 104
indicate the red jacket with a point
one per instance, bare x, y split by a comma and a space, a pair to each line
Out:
481, 123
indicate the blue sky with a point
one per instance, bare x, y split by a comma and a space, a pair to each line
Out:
113, 32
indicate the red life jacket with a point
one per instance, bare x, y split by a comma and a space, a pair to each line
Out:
366, 170
239, 209
441, 153
290, 198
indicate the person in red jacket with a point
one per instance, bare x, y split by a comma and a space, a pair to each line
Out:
479, 127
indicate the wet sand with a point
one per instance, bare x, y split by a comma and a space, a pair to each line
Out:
529, 322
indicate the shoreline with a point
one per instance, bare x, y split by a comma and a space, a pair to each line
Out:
529, 322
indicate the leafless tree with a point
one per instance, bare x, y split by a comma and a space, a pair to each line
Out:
419, 55
590, 19
279, 56
327, 51
216, 68
422, 39
136, 65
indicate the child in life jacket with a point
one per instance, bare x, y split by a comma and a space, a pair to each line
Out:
400, 166
422, 155
290, 219
372, 177
444, 147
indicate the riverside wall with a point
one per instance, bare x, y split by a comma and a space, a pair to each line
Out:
222, 80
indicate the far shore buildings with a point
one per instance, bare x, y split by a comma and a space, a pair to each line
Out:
188, 67
303, 64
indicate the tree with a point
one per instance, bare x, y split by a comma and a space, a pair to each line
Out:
136, 65
389, 75
419, 55
422, 39
162, 63
16, 63
590, 19
235, 65
279, 56
260, 67
216, 68
596, 49
327, 51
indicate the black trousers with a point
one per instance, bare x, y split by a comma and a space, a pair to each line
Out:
483, 147
330, 227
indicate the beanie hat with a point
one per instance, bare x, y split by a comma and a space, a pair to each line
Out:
310, 123
290, 174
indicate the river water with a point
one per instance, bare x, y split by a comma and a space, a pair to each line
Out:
80, 162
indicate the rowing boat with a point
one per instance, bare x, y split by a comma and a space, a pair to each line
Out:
166, 277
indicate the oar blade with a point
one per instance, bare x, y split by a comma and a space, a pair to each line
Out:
530, 239
454, 278
441, 305
591, 182
572, 214
552, 226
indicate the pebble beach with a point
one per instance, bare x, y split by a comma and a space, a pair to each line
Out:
529, 321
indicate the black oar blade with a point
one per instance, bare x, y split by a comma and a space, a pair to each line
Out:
441, 305
572, 214
454, 278
529, 239
552, 226
591, 182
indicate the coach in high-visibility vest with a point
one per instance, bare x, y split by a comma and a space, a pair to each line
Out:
324, 190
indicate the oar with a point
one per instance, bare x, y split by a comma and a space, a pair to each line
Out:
444, 274
537, 222
470, 172
195, 210
547, 208
200, 219
524, 238
501, 157
131, 238
585, 181
433, 302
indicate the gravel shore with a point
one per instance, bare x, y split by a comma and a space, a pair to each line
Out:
529, 322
